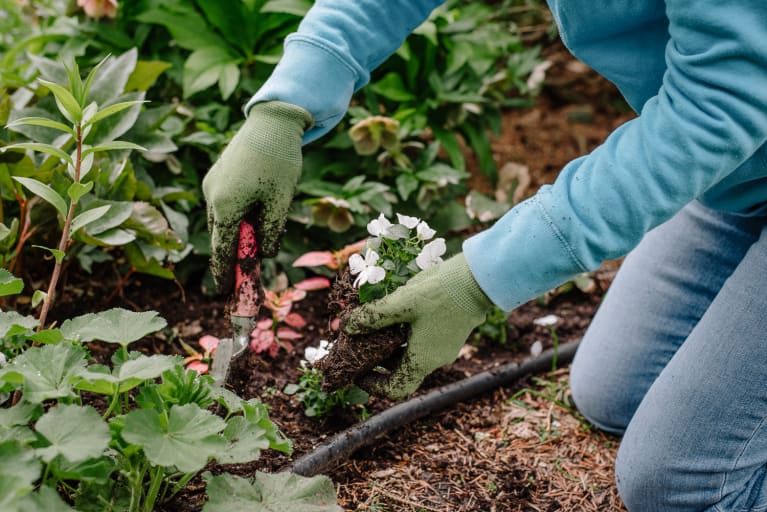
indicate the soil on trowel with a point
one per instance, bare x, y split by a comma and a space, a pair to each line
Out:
352, 357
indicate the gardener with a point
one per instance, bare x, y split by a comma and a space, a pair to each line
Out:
675, 358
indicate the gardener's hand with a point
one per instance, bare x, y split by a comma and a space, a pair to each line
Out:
442, 305
258, 169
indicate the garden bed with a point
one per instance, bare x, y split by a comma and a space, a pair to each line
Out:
519, 448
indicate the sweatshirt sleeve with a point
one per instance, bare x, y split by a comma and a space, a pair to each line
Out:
337, 45
707, 118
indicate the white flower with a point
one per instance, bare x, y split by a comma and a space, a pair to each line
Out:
546, 321
314, 354
538, 75
383, 228
536, 348
407, 221
366, 268
431, 254
3, 359
424, 232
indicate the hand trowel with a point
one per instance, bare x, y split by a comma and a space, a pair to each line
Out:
243, 310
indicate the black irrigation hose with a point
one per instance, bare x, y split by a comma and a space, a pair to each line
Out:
338, 449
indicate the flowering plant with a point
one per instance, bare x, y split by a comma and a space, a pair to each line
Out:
394, 254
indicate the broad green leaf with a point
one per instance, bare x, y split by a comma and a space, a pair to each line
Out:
283, 492
246, 440
115, 325
96, 470
188, 27
67, 103
145, 74
392, 87
150, 224
113, 109
187, 440
483, 208
88, 216
77, 190
109, 238
228, 79
11, 319
257, 412
115, 145
10, 284
43, 148
19, 433
116, 124
139, 261
8, 235
206, 66
75, 432
42, 121
44, 500
20, 414
110, 80
129, 375
19, 468
119, 212
47, 336
45, 192
45, 372
56, 253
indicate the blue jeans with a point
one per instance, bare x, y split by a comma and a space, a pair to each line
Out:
675, 360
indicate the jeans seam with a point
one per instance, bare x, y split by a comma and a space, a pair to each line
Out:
740, 455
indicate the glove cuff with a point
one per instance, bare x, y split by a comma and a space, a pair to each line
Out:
272, 126
459, 283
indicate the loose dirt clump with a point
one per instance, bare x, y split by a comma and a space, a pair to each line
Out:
354, 356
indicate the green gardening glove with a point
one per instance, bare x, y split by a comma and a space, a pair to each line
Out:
258, 170
442, 305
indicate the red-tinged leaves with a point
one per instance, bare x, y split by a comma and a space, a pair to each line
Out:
313, 283
316, 259
198, 366
264, 325
335, 324
295, 320
209, 344
264, 341
286, 333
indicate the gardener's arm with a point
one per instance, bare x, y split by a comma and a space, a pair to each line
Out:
337, 45
707, 119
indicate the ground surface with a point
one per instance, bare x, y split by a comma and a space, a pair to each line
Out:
520, 448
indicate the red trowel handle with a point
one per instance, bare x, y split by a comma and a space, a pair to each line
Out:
247, 273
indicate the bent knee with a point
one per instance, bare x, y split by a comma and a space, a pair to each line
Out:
600, 400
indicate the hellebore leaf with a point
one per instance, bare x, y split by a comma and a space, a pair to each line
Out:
284, 492
187, 439
76, 432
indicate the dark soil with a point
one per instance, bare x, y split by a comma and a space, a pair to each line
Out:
517, 449
354, 356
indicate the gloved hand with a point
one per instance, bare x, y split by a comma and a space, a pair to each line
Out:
442, 305
259, 168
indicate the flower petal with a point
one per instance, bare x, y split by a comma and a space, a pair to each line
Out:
375, 274
407, 221
356, 264
208, 342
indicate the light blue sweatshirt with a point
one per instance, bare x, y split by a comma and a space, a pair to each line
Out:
695, 71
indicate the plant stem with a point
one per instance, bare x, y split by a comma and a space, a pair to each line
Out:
64, 241
112, 404
154, 488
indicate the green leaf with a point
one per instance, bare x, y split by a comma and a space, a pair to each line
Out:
45, 192
42, 121
110, 80
19, 468
46, 372
246, 440
127, 376
206, 66
10, 284
38, 297
114, 145
483, 208
45, 499
115, 325
145, 265
77, 190
75, 432
392, 87
406, 185
295, 7
116, 124
88, 216
43, 148
57, 254
20, 414
145, 74
286, 492
67, 103
187, 440
11, 319
113, 109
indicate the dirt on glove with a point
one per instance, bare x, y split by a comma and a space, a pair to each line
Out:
352, 357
